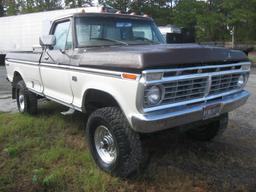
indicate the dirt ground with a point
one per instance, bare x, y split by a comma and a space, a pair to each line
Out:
225, 164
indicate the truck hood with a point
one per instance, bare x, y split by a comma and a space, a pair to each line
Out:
158, 56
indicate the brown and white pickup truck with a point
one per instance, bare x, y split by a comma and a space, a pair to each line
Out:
117, 69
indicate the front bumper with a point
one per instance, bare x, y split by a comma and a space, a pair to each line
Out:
169, 118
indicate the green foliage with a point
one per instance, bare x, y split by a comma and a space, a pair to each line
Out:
11, 151
37, 176
12, 8
76, 3
47, 153
122, 5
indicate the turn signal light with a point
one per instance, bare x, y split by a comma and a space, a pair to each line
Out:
129, 76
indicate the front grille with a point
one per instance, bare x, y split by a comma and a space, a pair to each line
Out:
197, 88
182, 90
194, 84
224, 83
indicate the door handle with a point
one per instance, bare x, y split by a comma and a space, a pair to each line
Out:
74, 78
46, 58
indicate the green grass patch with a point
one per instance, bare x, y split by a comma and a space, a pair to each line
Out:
47, 153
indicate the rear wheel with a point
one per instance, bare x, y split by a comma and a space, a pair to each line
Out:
26, 100
115, 147
209, 131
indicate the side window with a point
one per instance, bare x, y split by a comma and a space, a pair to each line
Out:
61, 34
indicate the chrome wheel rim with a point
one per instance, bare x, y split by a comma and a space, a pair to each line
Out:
22, 102
105, 145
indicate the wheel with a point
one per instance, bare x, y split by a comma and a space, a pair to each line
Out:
26, 100
114, 146
209, 131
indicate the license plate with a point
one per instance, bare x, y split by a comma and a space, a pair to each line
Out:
212, 111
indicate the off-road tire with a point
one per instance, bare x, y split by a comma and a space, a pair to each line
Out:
129, 148
209, 131
30, 99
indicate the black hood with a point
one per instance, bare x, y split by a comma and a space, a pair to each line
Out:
142, 57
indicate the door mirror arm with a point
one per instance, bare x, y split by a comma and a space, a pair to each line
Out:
64, 51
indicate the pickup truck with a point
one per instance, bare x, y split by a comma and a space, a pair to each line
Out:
116, 69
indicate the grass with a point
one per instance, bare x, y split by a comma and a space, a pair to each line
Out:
48, 152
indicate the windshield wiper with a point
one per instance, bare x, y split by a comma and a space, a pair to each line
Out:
111, 40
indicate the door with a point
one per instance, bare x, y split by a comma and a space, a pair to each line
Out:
55, 62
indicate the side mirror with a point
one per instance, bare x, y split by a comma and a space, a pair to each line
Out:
48, 41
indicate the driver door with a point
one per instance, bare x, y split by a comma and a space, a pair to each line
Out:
55, 62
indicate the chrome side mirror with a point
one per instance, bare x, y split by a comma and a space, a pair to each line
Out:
48, 41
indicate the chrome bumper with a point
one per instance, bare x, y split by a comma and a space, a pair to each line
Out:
169, 118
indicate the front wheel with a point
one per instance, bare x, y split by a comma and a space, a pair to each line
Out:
115, 147
26, 100
210, 131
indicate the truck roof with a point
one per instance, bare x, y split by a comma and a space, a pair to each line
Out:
105, 14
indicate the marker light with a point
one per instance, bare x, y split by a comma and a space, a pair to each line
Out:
129, 76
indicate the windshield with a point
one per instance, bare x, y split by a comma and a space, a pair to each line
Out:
93, 32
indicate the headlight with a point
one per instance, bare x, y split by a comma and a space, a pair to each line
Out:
154, 95
242, 81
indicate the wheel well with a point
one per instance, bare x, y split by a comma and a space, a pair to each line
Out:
16, 78
2, 59
94, 99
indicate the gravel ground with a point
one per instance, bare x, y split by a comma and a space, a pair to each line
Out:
6, 103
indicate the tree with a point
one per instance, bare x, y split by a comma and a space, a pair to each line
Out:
76, 3
187, 11
30, 6
214, 20
161, 11
11, 7
211, 24
2, 12
122, 5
